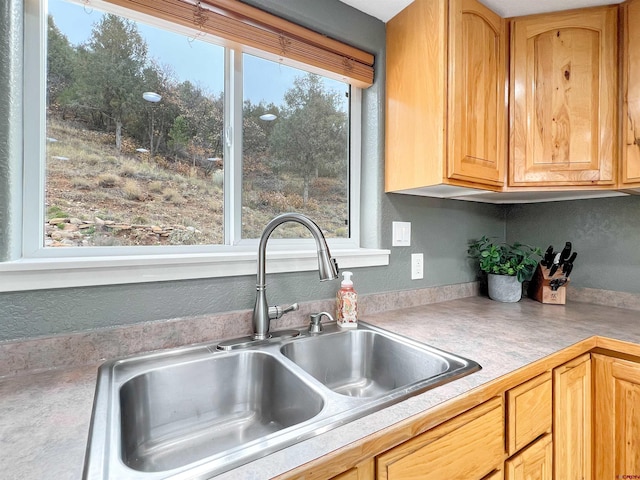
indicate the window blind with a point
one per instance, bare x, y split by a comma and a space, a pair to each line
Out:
243, 24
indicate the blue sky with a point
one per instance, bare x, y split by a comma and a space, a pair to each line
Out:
183, 54
191, 59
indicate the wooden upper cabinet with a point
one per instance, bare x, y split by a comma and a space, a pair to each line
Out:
563, 99
477, 97
631, 87
446, 105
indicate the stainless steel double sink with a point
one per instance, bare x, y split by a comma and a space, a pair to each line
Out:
195, 412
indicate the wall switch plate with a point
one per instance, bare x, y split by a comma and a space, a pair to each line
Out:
417, 266
401, 234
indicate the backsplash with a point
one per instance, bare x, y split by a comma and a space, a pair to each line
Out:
609, 298
95, 346
603, 231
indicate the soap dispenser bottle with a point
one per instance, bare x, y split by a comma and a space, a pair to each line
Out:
347, 303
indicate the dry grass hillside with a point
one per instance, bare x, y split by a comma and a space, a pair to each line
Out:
96, 196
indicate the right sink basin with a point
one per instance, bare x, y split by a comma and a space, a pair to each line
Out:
368, 363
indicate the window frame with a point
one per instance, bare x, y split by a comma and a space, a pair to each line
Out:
41, 267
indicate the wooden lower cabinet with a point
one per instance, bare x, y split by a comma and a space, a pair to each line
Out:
467, 447
579, 421
529, 412
572, 419
533, 463
497, 475
616, 418
362, 471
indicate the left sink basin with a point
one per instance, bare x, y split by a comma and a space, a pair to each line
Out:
193, 412
174, 416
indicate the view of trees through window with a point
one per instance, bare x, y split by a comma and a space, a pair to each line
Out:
136, 137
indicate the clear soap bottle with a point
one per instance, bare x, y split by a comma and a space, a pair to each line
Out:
347, 303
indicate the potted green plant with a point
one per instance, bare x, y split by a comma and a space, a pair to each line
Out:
506, 265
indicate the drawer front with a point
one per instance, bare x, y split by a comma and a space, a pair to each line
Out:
362, 471
468, 447
497, 475
529, 412
533, 463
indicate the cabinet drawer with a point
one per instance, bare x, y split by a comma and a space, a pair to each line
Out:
468, 446
497, 475
529, 412
533, 463
362, 471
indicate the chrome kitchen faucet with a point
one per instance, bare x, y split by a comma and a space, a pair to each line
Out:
327, 267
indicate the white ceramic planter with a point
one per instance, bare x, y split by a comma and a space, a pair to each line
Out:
504, 288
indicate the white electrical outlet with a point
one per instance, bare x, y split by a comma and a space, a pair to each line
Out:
417, 266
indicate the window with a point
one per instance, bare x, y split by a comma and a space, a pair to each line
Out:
135, 128
151, 142
295, 148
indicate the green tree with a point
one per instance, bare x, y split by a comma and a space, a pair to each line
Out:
204, 114
60, 62
109, 72
311, 134
152, 122
179, 136
255, 136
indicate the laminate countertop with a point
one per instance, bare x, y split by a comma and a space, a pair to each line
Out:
45, 416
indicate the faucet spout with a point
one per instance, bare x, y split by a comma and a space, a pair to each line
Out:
327, 268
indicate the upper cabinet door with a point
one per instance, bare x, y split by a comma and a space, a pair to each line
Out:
445, 98
564, 99
477, 97
415, 113
631, 78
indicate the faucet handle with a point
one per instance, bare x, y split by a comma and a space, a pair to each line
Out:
315, 326
278, 311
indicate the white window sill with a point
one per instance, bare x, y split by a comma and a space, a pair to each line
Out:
39, 274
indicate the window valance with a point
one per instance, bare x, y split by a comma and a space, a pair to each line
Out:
240, 23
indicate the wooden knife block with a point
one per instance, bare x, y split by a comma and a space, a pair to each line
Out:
540, 288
